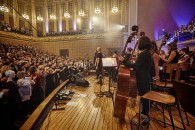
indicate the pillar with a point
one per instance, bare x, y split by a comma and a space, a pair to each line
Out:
15, 14
45, 18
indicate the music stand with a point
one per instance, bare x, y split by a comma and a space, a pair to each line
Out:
109, 63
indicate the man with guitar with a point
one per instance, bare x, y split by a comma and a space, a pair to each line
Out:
143, 68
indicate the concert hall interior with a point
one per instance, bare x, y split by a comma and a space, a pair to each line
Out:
97, 64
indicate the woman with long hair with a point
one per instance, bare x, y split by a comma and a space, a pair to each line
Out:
173, 55
143, 68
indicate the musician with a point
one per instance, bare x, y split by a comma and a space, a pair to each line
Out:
184, 57
192, 67
173, 55
128, 54
114, 70
142, 66
98, 62
114, 54
155, 56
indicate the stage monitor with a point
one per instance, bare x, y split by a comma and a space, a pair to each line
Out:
109, 62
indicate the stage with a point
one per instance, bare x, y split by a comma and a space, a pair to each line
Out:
87, 111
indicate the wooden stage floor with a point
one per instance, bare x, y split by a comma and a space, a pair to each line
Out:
87, 111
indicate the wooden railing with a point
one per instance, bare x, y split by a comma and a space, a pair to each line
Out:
38, 116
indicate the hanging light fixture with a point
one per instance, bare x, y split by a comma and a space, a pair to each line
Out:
67, 15
81, 12
39, 18
52, 16
115, 8
97, 9
25, 16
4, 8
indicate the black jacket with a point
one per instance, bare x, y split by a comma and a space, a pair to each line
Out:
143, 68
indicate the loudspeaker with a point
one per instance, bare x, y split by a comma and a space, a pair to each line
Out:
82, 82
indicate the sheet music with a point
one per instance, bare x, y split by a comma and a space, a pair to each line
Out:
109, 62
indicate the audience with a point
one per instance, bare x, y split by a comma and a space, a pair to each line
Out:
186, 32
38, 74
8, 28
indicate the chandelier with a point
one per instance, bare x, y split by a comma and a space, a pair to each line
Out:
4, 8
115, 9
97, 10
52, 16
25, 16
39, 18
81, 13
67, 15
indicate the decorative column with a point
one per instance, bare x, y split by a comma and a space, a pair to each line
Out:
91, 12
123, 8
74, 15
132, 19
133, 9
25, 11
106, 15
45, 18
59, 16
67, 19
6, 14
80, 17
55, 20
15, 14
34, 19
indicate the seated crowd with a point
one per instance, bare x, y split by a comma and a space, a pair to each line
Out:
27, 76
8, 28
83, 31
186, 32
26, 31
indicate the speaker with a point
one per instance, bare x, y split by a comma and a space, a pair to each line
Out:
82, 82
